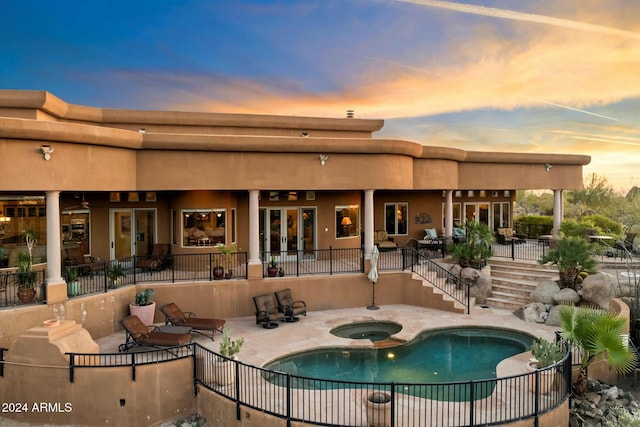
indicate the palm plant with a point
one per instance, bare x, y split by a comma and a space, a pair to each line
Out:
572, 256
597, 333
476, 249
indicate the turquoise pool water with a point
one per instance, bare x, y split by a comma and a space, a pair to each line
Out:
437, 356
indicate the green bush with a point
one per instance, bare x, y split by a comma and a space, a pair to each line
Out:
533, 225
605, 224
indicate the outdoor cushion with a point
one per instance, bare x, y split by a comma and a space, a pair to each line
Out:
430, 233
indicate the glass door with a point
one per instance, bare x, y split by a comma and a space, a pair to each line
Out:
289, 229
132, 232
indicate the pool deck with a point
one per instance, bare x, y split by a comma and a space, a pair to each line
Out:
312, 331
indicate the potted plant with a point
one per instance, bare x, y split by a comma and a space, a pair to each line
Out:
26, 278
115, 275
545, 353
272, 270
144, 307
378, 406
225, 262
224, 371
280, 272
71, 277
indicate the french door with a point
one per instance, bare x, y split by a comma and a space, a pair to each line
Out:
132, 232
287, 230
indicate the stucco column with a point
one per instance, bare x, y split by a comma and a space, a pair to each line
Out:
448, 214
368, 223
56, 287
254, 227
558, 211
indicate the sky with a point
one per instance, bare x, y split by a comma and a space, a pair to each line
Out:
540, 76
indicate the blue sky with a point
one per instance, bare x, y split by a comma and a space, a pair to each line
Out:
555, 76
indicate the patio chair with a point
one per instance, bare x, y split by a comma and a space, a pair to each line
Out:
158, 260
140, 335
176, 317
290, 308
626, 245
76, 256
266, 312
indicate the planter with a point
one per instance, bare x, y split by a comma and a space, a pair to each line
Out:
218, 273
144, 312
223, 372
26, 295
272, 271
378, 406
73, 289
547, 378
228, 274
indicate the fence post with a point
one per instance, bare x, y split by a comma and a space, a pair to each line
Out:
393, 404
195, 368
330, 260
72, 360
513, 249
472, 406
288, 399
536, 404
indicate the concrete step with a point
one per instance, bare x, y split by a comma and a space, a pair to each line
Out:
536, 276
503, 303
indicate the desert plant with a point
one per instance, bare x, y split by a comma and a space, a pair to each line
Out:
115, 273
476, 249
273, 263
546, 352
145, 297
71, 274
24, 274
229, 347
597, 334
572, 256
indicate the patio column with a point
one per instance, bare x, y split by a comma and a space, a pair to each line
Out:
558, 211
368, 223
56, 286
448, 214
254, 227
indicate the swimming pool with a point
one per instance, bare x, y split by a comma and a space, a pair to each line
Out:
371, 330
434, 356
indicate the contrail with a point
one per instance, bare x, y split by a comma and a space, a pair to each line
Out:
522, 16
579, 110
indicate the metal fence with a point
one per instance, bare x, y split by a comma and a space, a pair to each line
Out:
343, 403
314, 262
10, 286
525, 249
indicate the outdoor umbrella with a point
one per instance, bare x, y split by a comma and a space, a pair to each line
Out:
373, 276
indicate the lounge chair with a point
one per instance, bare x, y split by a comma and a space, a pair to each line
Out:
140, 335
176, 317
158, 260
290, 308
266, 311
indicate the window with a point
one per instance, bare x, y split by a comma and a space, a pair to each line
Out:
347, 221
456, 209
501, 213
204, 227
395, 218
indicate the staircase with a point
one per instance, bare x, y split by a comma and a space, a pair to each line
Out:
513, 281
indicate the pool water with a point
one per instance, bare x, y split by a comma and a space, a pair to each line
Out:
437, 356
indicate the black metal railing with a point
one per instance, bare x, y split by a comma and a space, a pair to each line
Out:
341, 403
454, 286
313, 262
11, 282
318, 401
131, 359
525, 249
532, 231
104, 275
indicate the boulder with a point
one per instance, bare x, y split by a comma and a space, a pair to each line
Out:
566, 296
544, 292
533, 312
481, 287
598, 289
553, 317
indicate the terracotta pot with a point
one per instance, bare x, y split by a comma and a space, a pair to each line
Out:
378, 405
272, 271
224, 372
144, 312
26, 295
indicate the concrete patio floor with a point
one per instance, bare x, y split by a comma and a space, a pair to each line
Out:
312, 331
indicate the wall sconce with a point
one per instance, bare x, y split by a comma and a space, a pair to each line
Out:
323, 159
46, 151
547, 167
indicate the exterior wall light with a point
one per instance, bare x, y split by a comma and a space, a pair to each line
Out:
46, 151
323, 159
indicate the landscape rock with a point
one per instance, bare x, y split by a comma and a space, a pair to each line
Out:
553, 316
532, 312
597, 289
566, 296
544, 292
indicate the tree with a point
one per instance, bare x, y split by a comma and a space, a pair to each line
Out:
596, 197
597, 333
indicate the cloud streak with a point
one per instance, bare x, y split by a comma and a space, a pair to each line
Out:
526, 17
